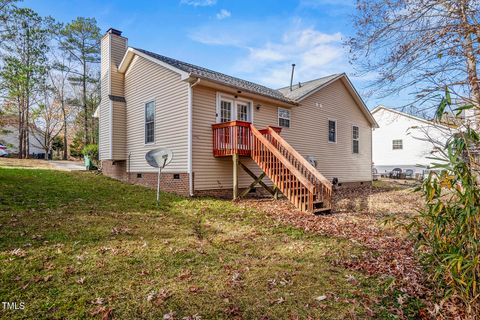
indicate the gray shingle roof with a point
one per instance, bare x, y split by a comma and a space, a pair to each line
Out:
220, 77
305, 87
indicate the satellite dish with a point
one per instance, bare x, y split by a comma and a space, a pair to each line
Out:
159, 158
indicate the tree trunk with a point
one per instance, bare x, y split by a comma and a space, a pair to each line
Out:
85, 116
65, 141
470, 57
27, 128
20, 131
27, 100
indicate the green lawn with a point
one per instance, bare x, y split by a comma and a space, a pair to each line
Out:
79, 245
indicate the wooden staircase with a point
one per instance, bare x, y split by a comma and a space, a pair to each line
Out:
294, 176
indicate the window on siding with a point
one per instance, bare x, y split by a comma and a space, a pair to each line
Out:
225, 111
243, 111
397, 144
150, 122
356, 139
332, 131
283, 118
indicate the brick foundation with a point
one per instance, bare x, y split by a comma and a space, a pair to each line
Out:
170, 182
259, 192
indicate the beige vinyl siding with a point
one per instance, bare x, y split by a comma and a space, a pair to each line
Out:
309, 134
117, 50
216, 173
119, 147
104, 108
147, 81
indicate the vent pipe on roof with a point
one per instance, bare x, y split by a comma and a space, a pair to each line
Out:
291, 78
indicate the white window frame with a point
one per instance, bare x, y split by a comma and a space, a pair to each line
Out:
289, 117
336, 131
235, 100
356, 139
395, 149
145, 121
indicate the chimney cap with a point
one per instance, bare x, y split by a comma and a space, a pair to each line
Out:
114, 31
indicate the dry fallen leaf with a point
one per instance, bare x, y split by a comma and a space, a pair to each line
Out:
18, 252
321, 298
236, 276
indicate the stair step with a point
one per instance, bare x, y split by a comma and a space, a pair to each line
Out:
317, 204
322, 211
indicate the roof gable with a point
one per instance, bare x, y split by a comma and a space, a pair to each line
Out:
406, 115
302, 89
306, 89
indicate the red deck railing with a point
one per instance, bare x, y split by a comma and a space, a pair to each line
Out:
231, 138
234, 137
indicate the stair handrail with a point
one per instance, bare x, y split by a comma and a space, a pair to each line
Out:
300, 158
310, 187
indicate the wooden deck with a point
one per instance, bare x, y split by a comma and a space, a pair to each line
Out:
294, 176
234, 137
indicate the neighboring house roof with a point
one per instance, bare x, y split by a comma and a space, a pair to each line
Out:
205, 73
304, 88
404, 114
294, 96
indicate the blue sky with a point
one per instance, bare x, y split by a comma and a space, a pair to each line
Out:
254, 40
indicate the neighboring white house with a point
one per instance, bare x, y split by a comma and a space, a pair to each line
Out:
404, 141
9, 137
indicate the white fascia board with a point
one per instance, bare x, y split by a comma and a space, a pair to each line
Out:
131, 52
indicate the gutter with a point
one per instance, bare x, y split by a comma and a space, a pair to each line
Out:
190, 137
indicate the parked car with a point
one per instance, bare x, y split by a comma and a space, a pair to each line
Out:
395, 173
3, 151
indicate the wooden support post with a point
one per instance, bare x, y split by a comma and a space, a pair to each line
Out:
235, 176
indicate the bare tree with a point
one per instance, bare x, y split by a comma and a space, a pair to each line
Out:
48, 120
420, 46
59, 79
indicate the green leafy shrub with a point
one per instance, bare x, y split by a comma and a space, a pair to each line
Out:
91, 150
447, 231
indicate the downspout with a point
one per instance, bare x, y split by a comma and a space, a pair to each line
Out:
190, 137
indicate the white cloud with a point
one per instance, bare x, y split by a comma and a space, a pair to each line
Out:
315, 54
199, 3
265, 54
223, 14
